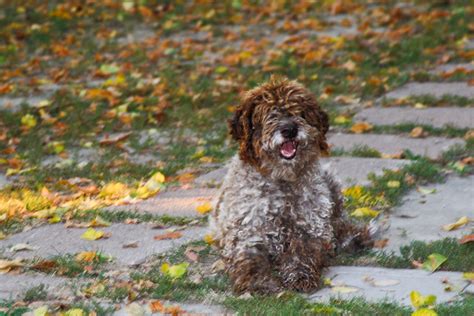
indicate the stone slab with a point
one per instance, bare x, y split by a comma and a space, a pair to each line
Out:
14, 103
434, 89
3, 181
173, 203
421, 217
52, 240
451, 67
350, 170
362, 279
431, 147
436, 117
14, 286
196, 309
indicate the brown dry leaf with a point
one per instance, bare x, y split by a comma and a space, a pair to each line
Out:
107, 140
466, 239
9, 265
170, 235
156, 306
191, 255
361, 127
417, 132
381, 243
133, 244
45, 265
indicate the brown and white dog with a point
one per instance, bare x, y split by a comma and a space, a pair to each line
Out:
278, 218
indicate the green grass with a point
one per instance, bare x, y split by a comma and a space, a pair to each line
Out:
292, 304
36, 293
460, 257
67, 265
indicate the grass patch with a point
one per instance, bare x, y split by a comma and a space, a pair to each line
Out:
36, 293
460, 257
358, 151
293, 304
447, 131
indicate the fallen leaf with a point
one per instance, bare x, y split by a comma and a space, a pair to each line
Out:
106, 140
424, 312
341, 119
108, 69
86, 256
9, 265
204, 208
28, 120
98, 222
344, 289
92, 234
425, 191
45, 265
209, 239
174, 271
365, 212
21, 247
156, 306
460, 222
417, 132
468, 276
191, 255
418, 300
381, 243
393, 184
435, 260
114, 190
41, 311
74, 312
466, 239
170, 235
361, 127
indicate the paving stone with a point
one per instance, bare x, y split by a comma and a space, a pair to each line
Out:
350, 170
173, 203
136, 36
436, 117
369, 281
188, 308
421, 217
14, 103
51, 240
451, 67
434, 89
431, 147
15, 285
3, 181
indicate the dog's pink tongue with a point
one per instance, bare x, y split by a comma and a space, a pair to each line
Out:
288, 149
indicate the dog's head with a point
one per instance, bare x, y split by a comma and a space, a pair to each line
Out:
280, 129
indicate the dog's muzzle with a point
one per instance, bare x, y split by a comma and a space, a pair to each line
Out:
289, 147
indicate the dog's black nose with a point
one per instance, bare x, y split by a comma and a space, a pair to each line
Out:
290, 130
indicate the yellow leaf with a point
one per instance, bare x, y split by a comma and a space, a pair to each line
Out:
165, 267
118, 80
419, 105
361, 127
435, 260
365, 212
460, 222
86, 256
417, 132
341, 119
424, 312
2, 236
418, 300
114, 190
55, 219
209, 239
468, 275
74, 312
393, 184
28, 121
158, 177
204, 208
8, 265
41, 311
98, 222
174, 271
92, 234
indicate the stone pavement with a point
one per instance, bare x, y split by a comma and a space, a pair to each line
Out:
54, 240
421, 216
378, 284
434, 89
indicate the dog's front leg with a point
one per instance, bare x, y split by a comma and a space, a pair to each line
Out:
250, 270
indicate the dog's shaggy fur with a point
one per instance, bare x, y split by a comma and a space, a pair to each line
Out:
278, 217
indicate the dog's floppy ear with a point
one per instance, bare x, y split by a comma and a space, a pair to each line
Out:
235, 125
324, 127
318, 118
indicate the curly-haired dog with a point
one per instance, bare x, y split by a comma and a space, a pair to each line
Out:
278, 217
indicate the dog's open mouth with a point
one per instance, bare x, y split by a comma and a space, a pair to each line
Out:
288, 149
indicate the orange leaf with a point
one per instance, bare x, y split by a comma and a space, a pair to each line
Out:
361, 127
156, 306
170, 235
466, 239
